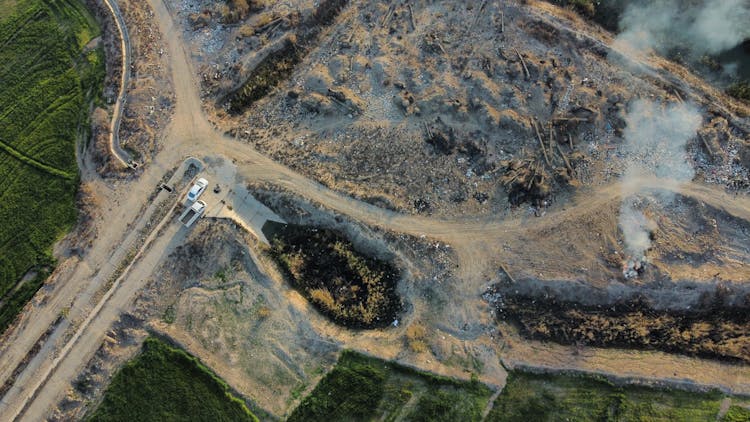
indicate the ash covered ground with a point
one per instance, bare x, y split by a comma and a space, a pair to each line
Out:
448, 108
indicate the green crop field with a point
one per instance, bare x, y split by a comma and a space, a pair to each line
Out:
531, 397
47, 81
361, 388
167, 384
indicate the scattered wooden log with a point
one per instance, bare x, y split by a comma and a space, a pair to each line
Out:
427, 129
523, 63
570, 119
411, 17
505, 270
479, 12
388, 16
565, 159
706, 145
551, 141
679, 97
541, 142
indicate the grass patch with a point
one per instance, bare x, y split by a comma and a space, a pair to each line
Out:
361, 388
532, 397
167, 384
352, 288
736, 414
47, 83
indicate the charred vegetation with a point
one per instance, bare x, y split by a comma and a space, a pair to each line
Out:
712, 329
278, 66
271, 71
350, 287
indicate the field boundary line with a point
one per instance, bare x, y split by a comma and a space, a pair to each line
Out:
34, 163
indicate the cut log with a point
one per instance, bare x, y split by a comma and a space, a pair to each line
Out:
541, 142
523, 63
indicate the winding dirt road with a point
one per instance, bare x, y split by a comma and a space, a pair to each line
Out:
43, 382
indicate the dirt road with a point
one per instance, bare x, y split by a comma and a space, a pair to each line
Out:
478, 242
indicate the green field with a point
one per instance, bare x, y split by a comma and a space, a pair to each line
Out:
47, 81
361, 388
167, 384
530, 397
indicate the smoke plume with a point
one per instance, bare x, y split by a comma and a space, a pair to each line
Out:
695, 26
655, 141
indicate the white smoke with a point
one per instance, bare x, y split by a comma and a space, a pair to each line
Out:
699, 27
656, 136
655, 141
636, 230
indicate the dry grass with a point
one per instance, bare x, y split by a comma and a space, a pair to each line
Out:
416, 338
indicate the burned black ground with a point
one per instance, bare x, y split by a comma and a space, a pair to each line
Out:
344, 283
712, 330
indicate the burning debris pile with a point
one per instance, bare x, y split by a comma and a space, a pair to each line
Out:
705, 27
638, 233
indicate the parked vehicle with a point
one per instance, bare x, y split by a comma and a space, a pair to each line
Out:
192, 213
197, 189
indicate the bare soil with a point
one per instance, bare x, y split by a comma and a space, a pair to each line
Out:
445, 109
150, 96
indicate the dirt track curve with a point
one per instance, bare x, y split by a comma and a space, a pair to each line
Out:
46, 378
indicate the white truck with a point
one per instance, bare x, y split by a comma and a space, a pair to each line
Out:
192, 213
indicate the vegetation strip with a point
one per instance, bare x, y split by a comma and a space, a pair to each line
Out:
49, 80
716, 331
34, 163
166, 383
277, 66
